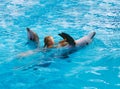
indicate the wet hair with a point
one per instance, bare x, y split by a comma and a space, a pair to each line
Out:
46, 40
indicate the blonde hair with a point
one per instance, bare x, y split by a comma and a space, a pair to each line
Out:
46, 40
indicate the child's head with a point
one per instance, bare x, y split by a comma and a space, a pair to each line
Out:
48, 41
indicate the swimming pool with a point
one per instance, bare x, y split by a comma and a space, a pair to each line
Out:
97, 66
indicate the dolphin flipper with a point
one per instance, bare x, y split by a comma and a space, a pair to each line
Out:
68, 38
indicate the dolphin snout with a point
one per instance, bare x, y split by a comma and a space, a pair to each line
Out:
92, 34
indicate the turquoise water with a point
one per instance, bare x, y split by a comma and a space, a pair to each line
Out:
97, 66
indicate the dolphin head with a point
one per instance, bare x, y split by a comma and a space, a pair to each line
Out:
91, 35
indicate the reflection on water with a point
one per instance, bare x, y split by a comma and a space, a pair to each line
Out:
93, 67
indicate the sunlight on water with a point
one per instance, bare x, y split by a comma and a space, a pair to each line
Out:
96, 66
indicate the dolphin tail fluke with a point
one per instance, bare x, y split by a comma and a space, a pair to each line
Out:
92, 34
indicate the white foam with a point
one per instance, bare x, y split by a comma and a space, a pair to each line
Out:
98, 80
62, 22
94, 70
86, 2
15, 10
25, 2
73, 13
3, 24
111, 1
90, 88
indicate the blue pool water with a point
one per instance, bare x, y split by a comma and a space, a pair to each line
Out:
97, 66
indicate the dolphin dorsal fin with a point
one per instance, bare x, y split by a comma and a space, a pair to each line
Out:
68, 38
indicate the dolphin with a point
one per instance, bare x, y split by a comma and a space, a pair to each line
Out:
74, 45
32, 36
81, 42
71, 47
85, 40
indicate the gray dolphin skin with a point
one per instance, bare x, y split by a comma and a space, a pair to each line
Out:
74, 45
32, 36
85, 40
80, 42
